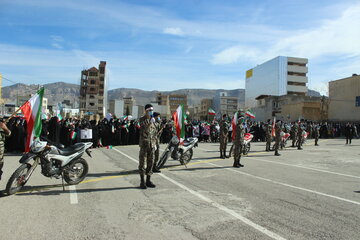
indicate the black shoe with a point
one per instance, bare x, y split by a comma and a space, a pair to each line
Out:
277, 154
149, 183
142, 182
241, 165
300, 149
156, 170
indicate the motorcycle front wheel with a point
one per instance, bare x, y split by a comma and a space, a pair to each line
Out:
186, 157
247, 149
163, 159
17, 179
76, 172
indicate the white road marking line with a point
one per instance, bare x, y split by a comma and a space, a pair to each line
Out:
73, 194
215, 204
288, 185
298, 166
309, 168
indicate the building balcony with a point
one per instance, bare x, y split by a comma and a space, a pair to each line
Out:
299, 89
297, 69
300, 79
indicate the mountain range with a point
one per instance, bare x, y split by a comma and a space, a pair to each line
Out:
60, 91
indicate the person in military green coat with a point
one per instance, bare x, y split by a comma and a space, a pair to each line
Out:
4, 132
239, 141
224, 131
159, 128
147, 143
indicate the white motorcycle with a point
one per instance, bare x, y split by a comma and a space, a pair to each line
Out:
246, 146
182, 152
57, 162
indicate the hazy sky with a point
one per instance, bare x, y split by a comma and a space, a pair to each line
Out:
170, 44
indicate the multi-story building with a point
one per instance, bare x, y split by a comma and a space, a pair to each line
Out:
116, 107
344, 97
129, 103
276, 77
201, 111
93, 90
228, 105
173, 100
291, 107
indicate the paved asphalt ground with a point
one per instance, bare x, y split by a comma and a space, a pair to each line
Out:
308, 194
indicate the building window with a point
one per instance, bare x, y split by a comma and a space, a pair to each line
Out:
93, 74
102, 70
357, 101
92, 104
101, 79
92, 89
92, 96
92, 82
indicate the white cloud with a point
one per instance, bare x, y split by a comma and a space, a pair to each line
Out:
236, 54
57, 38
56, 45
174, 31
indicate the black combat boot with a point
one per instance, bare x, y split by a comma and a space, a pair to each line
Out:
142, 182
149, 183
236, 164
1, 172
224, 154
221, 155
277, 153
240, 165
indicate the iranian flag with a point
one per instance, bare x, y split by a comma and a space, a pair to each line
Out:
32, 114
179, 122
233, 125
211, 112
250, 114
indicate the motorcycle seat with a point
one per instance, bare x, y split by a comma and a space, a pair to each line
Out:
71, 150
186, 143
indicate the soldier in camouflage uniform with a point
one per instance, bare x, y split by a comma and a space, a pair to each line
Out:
277, 137
147, 143
268, 136
4, 132
239, 141
224, 131
159, 129
316, 131
293, 134
299, 136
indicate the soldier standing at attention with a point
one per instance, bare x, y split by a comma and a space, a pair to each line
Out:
159, 130
147, 143
299, 136
277, 137
4, 132
293, 134
316, 131
268, 136
239, 141
224, 131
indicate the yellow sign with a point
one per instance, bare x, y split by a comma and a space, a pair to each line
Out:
249, 73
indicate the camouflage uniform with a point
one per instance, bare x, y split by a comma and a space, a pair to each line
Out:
238, 143
293, 134
316, 131
299, 136
159, 130
277, 138
224, 131
3, 134
268, 137
147, 143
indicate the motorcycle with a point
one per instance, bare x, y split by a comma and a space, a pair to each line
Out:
246, 147
55, 162
181, 152
284, 137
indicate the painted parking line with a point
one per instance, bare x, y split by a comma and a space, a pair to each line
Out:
215, 204
288, 185
73, 194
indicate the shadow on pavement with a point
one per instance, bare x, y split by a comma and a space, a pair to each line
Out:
60, 191
195, 169
113, 173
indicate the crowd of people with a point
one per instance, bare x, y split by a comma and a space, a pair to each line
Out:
112, 131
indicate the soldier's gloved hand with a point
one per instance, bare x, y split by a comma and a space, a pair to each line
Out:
152, 120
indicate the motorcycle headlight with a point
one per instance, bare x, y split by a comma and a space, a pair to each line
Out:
37, 146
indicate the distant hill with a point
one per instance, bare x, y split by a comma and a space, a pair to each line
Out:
59, 91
